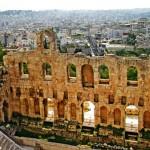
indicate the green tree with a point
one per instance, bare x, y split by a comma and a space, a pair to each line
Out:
131, 39
2, 52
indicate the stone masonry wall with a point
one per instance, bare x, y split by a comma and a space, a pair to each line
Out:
60, 82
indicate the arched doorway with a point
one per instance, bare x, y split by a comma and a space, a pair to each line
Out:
36, 106
87, 76
146, 119
26, 106
50, 108
131, 122
117, 116
73, 111
103, 114
61, 108
88, 114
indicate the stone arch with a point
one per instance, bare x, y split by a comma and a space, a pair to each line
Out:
132, 73
146, 119
61, 109
103, 114
132, 119
73, 111
103, 72
87, 76
46, 41
36, 106
71, 69
88, 112
117, 116
50, 109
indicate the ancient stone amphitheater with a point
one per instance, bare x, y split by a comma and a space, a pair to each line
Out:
91, 90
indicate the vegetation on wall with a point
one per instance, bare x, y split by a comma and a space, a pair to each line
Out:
72, 70
48, 137
132, 73
25, 68
145, 134
116, 131
2, 52
103, 72
19, 118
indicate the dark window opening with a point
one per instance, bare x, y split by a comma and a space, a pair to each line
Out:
55, 94
18, 92
123, 100
110, 99
32, 92
96, 97
66, 95
41, 94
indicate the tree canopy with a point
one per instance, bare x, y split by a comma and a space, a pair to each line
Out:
131, 39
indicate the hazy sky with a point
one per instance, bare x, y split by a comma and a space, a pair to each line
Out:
72, 4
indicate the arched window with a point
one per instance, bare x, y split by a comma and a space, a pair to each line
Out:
73, 111
146, 119
87, 76
23, 70
103, 72
71, 72
132, 76
61, 108
132, 73
36, 106
117, 116
47, 71
103, 114
46, 42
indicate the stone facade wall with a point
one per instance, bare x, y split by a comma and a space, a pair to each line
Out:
59, 82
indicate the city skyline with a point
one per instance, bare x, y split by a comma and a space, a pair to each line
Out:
72, 4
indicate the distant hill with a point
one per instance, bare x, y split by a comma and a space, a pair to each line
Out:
57, 16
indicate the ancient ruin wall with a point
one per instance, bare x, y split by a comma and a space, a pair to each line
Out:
117, 87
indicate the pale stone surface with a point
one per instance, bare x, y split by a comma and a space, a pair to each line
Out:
47, 145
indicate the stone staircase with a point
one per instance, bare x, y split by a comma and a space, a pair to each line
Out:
8, 143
